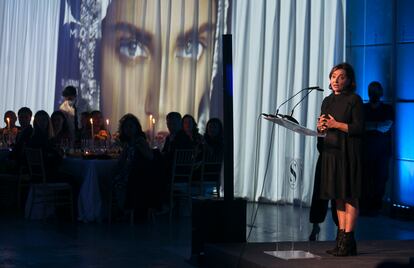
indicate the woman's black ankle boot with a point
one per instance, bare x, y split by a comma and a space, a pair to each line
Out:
339, 237
348, 245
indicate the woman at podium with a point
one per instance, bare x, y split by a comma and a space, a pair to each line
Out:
341, 163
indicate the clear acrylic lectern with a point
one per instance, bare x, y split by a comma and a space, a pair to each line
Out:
287, 123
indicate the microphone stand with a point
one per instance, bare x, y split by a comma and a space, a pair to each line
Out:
290, 117
296, 105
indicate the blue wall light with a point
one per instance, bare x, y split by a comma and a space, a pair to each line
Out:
405, 184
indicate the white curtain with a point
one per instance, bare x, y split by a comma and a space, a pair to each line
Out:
28, 51
280, 47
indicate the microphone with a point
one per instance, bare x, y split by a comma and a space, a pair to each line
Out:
294, 95
315, 87
307, 93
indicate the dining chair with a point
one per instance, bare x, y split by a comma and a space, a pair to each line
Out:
181, 177
211, 171
52, 194
23, 186
113, 203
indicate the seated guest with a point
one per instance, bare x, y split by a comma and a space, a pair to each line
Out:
99, 130
191, 130
62, 136
176, 139
25, 115
213, 145
8, 134
84, 132
42, 139
132, 186
213, 138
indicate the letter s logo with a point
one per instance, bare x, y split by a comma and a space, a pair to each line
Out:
293, 168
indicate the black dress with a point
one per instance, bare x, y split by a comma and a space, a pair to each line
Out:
341, 157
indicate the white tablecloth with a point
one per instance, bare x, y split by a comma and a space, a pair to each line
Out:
95, 177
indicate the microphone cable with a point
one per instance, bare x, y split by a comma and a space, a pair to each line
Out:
255, 211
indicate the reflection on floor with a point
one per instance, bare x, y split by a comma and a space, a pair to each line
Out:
61, 244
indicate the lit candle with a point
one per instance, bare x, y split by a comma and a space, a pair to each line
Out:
8, 122
92, 133
150, 121
108, 139
153, 130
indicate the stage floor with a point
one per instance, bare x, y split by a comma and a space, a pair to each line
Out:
384, 253
40, 244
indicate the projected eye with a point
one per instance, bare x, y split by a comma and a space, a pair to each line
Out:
190, 49
132, 49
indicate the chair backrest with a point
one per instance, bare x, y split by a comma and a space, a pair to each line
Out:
183, 164
35, 163
212, 163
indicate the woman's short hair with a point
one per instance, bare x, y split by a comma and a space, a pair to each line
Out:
69, 91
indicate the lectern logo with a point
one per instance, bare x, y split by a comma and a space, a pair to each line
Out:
293, 174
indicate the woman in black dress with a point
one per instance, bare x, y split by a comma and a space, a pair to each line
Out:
341, 164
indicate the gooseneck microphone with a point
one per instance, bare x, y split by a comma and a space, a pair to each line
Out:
290, 117
307, 93
294, 95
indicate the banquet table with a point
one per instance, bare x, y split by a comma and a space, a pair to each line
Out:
94, 176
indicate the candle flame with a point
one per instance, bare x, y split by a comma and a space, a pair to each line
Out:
153, 121
91, 120
107, 122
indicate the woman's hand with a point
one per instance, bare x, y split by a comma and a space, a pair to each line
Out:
321, 125
332, 123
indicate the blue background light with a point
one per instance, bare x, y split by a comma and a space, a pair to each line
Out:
380, 46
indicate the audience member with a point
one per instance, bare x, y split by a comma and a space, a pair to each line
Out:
177, 139
24, 115
9, 132
84, 132
62, 135
42, 138
191, 130
213, 137
379, 118
133, 185
99, 130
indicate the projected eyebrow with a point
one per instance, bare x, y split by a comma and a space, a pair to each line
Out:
188, 35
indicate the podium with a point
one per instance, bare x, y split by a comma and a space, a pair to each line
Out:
295, 127
290, 124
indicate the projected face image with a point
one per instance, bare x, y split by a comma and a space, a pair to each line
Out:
156, 57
